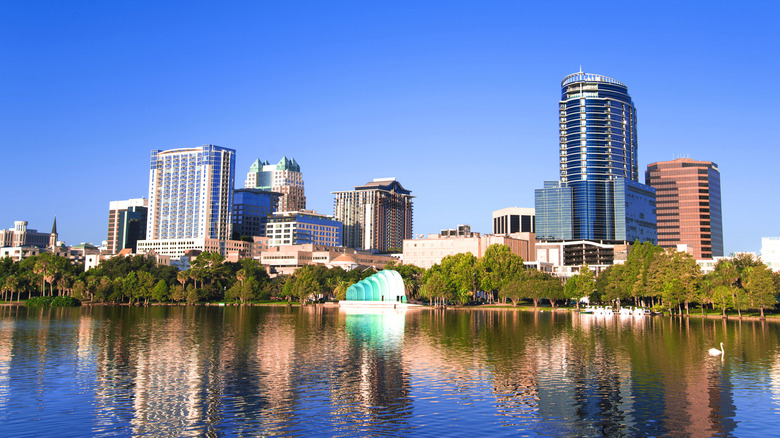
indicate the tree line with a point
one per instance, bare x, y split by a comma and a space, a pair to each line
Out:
673, 281
650, 277
140, 280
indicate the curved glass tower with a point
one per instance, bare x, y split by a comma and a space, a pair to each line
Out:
598, 196
597, 129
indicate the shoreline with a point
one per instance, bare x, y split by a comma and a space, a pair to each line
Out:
486, 307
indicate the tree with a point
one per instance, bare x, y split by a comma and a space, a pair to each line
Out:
179, 293
435, 286
461, 271
580, 285
532, 286
675, 274
161, 292
341, 289
304, 284
722, 298
759, 287
79, 290
497, 266
192, 295
10, 285
512, 289
130, 286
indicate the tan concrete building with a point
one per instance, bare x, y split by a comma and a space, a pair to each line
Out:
428, 252
376, 215
285, 178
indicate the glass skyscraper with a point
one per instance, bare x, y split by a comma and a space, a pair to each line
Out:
598, 196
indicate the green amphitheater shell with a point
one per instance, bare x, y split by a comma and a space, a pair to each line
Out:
385, 286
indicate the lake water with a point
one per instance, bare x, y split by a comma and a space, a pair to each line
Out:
230, 371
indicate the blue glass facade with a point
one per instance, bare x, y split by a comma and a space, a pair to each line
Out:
598, 166
716, 214
553, 211
251, 209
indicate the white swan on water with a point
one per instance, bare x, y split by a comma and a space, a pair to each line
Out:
715, 351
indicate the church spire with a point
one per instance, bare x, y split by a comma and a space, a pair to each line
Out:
54, 226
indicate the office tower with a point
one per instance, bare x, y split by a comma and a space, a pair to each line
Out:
284, 177
376, 215
514, 220
302, 227
688, 205
126, 224
598, 167
251, 209
191, 193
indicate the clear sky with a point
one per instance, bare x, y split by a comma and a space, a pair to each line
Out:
458, 100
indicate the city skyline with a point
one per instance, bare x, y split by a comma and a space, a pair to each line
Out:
428, 93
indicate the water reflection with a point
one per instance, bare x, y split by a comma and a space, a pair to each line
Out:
371, 387
186, 371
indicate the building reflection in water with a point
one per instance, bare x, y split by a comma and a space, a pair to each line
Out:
371, 387
187, 371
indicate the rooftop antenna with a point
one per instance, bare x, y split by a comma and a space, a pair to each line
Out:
580, 68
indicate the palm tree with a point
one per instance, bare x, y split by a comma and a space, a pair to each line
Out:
11, 283
182, 277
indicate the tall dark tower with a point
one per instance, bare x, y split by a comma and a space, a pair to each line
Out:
598, 196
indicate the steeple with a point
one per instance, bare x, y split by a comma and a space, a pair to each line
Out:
53, 235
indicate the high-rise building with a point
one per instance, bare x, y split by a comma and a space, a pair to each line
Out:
191, 193
251, 209
126, 224
376, 215
598, 192
688, 205
514, 220
284, 177
302, 227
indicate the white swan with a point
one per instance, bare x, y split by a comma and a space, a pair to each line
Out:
715, 351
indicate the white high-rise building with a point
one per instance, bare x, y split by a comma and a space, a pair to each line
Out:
190, 197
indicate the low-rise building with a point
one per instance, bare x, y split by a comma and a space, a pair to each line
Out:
302, 227
21, 236
425, 253
770, 252
286, 259
514, 220
567, 256
176, 248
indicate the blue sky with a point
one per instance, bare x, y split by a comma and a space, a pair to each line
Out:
458, 100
